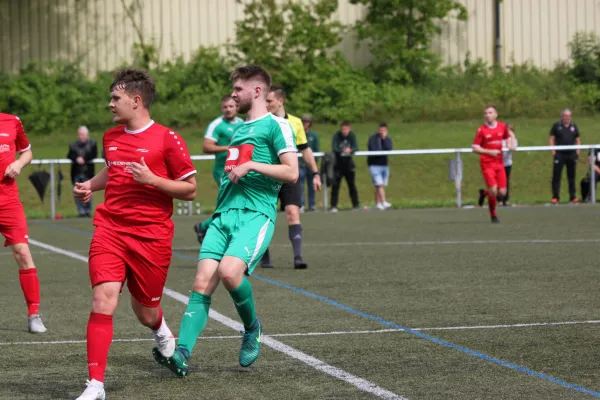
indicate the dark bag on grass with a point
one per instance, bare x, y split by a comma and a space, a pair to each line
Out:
585, 189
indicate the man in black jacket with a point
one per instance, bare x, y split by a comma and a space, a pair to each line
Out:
378, 165
81, 153
564, 133
344, 145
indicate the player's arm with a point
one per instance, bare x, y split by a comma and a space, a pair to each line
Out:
14, 169
209, 146
512, 141
180, 189
480, 150
83, 191
286, 172
309, 158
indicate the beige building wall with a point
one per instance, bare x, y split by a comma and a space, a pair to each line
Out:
98, 34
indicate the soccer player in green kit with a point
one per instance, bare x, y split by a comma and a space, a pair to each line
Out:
216, 141
261, 156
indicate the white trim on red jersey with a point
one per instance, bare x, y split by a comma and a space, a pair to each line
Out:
25, 149
140, 130
186, 175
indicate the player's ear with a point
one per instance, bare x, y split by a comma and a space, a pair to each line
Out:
137, 101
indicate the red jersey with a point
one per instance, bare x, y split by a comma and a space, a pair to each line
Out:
12, 140
491, 139
129, 206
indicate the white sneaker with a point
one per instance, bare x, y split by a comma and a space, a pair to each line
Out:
35, 324
386, 205
380, 206
165, 340
302, 209
94, 391
333, 209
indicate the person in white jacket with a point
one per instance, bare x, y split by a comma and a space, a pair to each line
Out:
508, 162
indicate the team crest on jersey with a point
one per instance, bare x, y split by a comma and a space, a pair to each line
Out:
238, 155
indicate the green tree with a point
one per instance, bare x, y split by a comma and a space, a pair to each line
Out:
399, 34
275, 34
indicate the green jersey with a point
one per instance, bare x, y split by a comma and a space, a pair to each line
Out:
262, 140
221, 130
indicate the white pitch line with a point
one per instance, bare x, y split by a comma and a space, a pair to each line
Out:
356, 381
332, 333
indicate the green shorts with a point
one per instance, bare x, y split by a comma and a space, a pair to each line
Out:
244, 234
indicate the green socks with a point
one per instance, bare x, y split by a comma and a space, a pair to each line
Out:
244, 303
193, 321
206, 223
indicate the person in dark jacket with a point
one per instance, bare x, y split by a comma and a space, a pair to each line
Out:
564, 133
344, 145
81, 153
378, 165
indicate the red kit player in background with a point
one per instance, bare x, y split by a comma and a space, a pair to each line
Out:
147, 166
13, 225
488, 144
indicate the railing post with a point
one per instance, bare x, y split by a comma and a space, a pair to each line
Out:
592, 176
458, 179
52, 193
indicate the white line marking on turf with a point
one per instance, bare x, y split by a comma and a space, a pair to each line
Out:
359, 383
332, 333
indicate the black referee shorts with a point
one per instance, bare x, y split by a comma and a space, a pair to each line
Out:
290, 195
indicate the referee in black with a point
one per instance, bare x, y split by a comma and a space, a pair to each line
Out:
564, 133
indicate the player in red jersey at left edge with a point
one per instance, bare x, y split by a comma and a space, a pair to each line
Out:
488, 144
147, 166
13, 225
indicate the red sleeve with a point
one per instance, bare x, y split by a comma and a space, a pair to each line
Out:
478, 138
177, 157
22, 143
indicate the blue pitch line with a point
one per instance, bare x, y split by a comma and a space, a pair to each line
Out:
382, 321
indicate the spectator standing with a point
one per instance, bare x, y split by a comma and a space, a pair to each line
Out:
508, 163
594, 158
82, 152
564, 133
378, 165
304, 172
344, 145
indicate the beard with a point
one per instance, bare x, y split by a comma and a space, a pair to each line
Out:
244, 105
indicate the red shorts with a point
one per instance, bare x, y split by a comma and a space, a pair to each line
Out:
494, 175
143, 263
13, 225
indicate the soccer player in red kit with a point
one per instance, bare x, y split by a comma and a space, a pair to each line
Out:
488, 144
13, 225
147, 165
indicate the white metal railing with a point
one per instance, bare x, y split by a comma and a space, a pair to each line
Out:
457, 173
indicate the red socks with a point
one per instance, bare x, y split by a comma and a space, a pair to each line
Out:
30, 284
492, 205
159, 321
486, 192
99, 337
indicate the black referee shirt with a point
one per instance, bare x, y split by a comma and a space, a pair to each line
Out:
565, 136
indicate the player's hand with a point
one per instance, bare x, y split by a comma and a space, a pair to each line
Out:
80, 160
141, 173
347, 150
317, 182
494, 152
82, 191
553, 153
239, 172
13, 170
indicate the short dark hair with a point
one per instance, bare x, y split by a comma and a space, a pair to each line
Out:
491, 106
225, 98
135, 82
279, 91
248, 72
345, 123
382, 125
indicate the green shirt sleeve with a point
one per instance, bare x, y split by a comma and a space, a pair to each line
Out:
282, 137
316, 149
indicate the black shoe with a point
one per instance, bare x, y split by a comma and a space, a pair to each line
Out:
201, 233
495, 220
266, 265
481, 197
299, 263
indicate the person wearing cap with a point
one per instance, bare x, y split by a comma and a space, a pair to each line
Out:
304, 172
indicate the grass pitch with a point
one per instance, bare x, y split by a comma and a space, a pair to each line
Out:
426, 304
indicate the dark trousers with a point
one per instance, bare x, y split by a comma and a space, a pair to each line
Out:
559, 163
504, 200
347, 172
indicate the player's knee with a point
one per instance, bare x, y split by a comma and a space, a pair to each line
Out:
502, 192
23, 256
230, 276
493, 192
104, 299
292, 214
147, 316
201, 284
